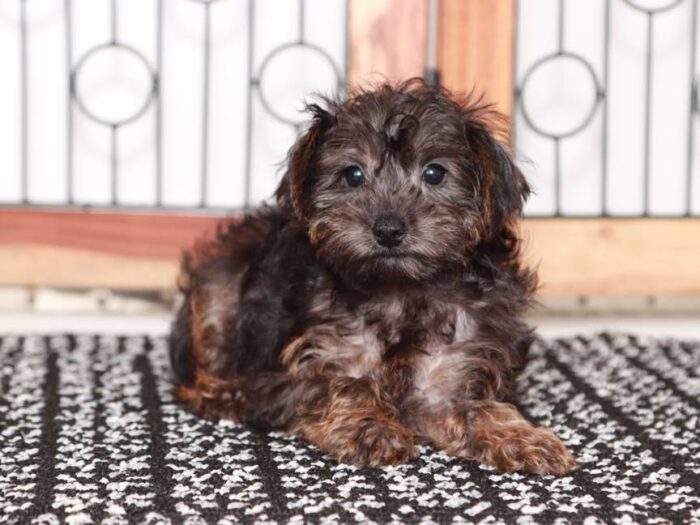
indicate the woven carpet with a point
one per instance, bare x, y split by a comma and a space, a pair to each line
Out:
90, 433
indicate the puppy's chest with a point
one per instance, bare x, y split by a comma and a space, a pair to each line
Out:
400, 335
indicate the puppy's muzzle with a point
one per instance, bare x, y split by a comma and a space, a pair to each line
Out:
389, 230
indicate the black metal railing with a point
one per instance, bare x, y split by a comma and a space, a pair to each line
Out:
154, 100
525, 119
601, 103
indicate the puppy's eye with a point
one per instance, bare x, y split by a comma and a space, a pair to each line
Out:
353, 175
434, 174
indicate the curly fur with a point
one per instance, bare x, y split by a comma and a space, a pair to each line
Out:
296, 318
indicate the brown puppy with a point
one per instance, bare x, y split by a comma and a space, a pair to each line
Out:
378, 304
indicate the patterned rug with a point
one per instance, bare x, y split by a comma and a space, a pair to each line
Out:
89, 433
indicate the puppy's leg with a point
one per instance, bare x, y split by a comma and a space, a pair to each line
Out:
212, 396
350, 419
202, 352
496, 434
457, 406
341, 407
198, 343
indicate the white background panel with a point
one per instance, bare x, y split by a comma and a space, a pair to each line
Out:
10, 95
112, 84
556, 96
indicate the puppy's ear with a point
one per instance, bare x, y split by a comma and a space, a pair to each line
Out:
293, 192
504, 189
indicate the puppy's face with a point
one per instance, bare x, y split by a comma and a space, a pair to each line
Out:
400, 183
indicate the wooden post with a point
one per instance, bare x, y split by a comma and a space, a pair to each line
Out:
387, 40
476, 48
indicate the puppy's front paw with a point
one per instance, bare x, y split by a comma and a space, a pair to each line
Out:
534, 450
366, 441
497, 434
381, 443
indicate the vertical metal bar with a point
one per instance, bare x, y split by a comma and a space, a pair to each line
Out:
562, 22
346, 50
648, 107
70, 184
557, 177
113, 22
432, 73
693, 103
115, 128
24, 104
605, 134
205, 104
249, 106
113, 163
557, 140
159, 105
516, 87
302, 20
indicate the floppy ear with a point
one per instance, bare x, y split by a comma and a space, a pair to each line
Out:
293, 191
504, 189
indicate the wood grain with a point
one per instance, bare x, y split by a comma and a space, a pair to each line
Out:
96, 249
387, 40
615, 256
141, 251
143, 235
475, 48
29, 264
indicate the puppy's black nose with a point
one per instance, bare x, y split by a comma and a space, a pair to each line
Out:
389, 230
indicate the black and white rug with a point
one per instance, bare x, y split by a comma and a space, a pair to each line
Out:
89, 433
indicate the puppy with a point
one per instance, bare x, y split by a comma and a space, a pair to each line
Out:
378, 304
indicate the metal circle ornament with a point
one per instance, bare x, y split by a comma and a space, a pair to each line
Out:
556, 102
285, 76
113, 84
653, 6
